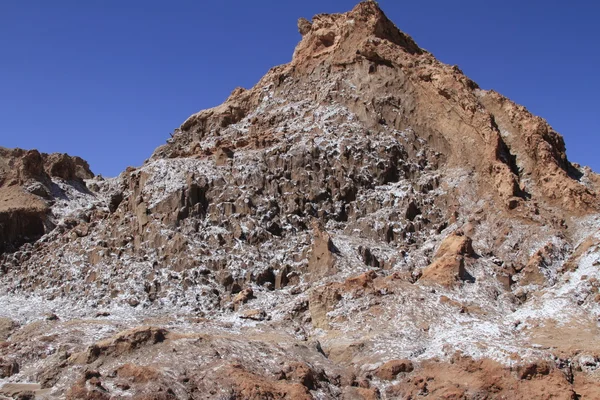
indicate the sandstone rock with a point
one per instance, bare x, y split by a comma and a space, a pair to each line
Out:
136, 373
391, 369
361, 281
532, 370
123, 343
456, 244
80, 390
446, 271
448, 266
244, 296
532, 273
223, 155
22, 225
61, 166
321, 301
322, 258
32, 166
305, 375
115, 201
25, 196
252, 387
141, 213
304, 26
485, 376
66, 167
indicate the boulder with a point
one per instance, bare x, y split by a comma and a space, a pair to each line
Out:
391, 369
448, 267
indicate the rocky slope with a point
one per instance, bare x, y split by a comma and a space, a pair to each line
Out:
364, 223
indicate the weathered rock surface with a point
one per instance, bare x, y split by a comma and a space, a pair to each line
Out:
448, 266
365, 222
28, 187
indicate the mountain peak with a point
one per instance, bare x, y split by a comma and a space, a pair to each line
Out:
343, 35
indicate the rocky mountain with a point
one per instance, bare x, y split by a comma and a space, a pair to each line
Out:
364, 223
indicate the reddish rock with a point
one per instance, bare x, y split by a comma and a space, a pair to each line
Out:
391, 369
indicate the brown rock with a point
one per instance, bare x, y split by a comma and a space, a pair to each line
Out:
449, 264
532, 370
66, 167
243, 296
141, 212
254, 387
25, 196
456, 244
361, 281
282, 279
123, 343
61, 166
7, 326
137, 373
32, 166
445, 271
532, 273
8, 368
467, 378
22, 390
322, 258
52, 317
255, 315
304, 26
358, 393
321, 301
223, 155
305, 375
391, 369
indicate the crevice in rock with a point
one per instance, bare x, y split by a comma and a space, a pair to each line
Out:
504, 155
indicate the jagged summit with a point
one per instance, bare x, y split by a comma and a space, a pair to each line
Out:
364, 223
366, 64
343, 36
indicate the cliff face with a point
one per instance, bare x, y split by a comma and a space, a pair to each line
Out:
362, 221
30, 183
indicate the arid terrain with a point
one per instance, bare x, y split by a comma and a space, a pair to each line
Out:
364, 223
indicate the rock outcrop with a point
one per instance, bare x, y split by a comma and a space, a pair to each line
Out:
448, 266
27, 191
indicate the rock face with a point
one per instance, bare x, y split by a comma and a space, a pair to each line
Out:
29, 183
362, 221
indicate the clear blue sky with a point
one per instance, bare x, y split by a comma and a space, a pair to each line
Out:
108, 80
